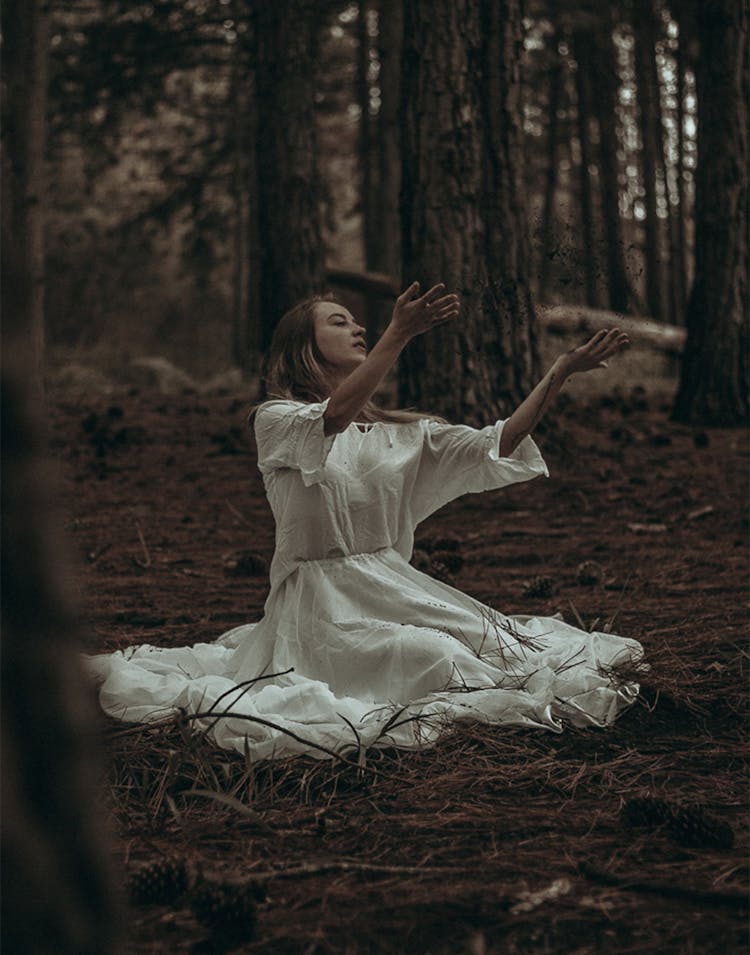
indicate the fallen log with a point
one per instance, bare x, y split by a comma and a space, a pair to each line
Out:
556, 319
576, 319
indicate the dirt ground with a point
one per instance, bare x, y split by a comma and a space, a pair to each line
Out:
494, 841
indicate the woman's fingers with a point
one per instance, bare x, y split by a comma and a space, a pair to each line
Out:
408, 294
430, 297
446, 301
606, 342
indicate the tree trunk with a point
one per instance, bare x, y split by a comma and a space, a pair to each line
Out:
464, 220
26, 32
581, 49
387, 257
367, 179
291, 248
605, 87
681, 262
57, 886
645, 63
247, 342
715, 377
550, 181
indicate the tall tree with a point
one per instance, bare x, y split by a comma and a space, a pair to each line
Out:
582, 43
652, 161
26, 32
292, 258
604, 86
556, 87
390, 39
464, 220
715, 377
367, 157
246, 285
57, 887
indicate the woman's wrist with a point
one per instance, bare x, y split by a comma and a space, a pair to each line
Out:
564, 366
396, 336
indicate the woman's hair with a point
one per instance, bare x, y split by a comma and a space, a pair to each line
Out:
296, 368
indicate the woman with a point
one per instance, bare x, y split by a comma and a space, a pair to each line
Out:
357, 647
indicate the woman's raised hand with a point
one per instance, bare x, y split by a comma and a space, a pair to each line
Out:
412, 316
596, 351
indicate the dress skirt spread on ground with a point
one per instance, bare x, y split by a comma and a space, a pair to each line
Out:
357, 648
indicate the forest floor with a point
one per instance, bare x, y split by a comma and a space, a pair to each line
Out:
495, 840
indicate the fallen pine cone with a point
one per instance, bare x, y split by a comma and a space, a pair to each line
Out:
452, 560
227, 910
589, 573
645, 812
540, 587
688, 825
420, 560
693, 826
158, 883
246, 564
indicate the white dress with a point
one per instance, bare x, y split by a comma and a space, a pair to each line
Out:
357, 648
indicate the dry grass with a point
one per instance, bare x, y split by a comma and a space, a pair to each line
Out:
492, 841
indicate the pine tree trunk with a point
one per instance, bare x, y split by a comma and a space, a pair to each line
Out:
26, 33
581, 47
366, 157
715, 378
247, 342
291, 248
464, 220
681, 261
390, 39
645, 52
57, 886
550, 180
605, 88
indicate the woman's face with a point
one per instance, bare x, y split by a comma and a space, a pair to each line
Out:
340, 340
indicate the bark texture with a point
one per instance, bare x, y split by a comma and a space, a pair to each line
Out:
582, 50
390, 38
26, 30
651, 156
247, 337
715, 377
291, 249
604, 85
56, 894
464, 218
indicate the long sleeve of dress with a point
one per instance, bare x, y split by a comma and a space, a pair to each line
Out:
457, 459
290, 434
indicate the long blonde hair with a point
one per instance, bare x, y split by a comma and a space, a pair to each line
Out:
296, 368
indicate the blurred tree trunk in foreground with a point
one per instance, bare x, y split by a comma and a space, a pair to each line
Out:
464, 220
291, 246
56, 893
25, 28
715, 377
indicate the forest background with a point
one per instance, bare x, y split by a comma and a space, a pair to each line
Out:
202, 165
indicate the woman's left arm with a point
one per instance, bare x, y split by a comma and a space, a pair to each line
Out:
526, 417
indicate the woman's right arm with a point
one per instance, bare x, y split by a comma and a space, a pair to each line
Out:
411, 317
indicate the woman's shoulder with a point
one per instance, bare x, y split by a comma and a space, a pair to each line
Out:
274, 409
